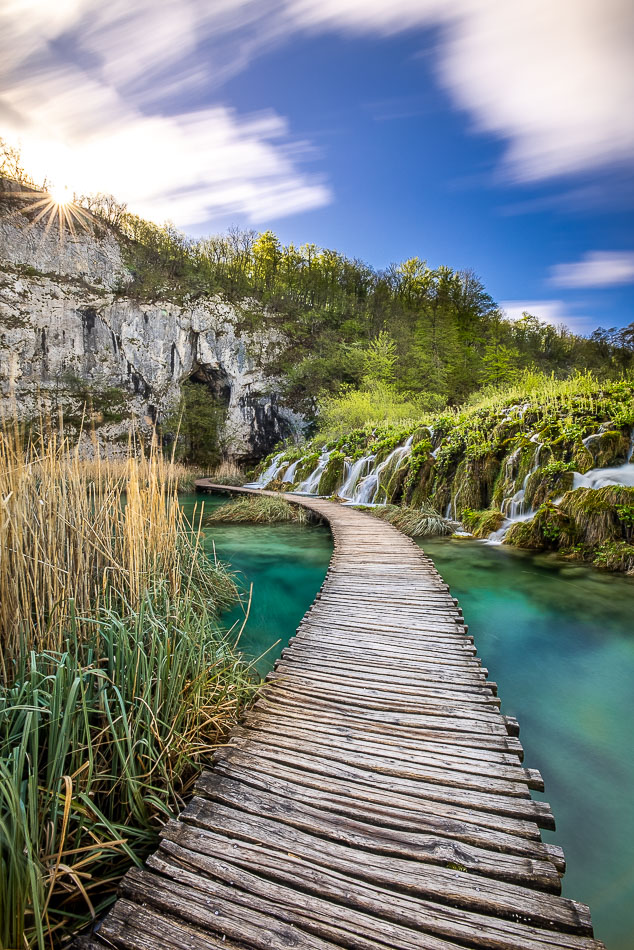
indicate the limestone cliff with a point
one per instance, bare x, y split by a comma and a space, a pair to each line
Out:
67, 320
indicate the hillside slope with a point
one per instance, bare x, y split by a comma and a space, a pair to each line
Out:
546, 466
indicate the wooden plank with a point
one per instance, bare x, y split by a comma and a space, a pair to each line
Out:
439, 756
397, 743
241, 764
388, 811
374, 797
453, 886
494, 803
425, 718
293, 674
312, 915
205, 853
423, 767
419, 846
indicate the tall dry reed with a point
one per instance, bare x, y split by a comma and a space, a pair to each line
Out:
116, 678
77, 536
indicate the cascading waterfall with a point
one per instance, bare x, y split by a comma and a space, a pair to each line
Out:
310, 484
267, 476
613, 475
513, 508
369, 488
353, 473
289, 474
361, 484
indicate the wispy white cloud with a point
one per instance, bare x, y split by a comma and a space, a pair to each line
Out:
81, 116
552, 80
555, 312
596, 269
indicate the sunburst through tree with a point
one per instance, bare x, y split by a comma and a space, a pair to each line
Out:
56, 206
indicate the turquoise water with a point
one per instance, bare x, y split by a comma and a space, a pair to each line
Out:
559, 641
285, 563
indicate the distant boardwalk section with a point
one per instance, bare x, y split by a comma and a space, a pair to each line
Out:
374, 798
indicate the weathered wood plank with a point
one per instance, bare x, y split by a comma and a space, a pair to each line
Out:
191, 849
386, 810
427, 848
447, 885
374, 797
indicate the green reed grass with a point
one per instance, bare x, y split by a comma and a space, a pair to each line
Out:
257, 510
116, 679
415, 522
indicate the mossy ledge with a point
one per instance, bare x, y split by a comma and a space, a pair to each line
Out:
590, 524
513, 452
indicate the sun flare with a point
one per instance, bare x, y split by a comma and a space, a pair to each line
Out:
60, 194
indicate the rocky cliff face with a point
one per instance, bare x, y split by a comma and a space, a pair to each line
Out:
66, 322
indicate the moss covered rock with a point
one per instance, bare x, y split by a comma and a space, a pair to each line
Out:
593, 524
547, 483
482, 523
608, 448
332, 476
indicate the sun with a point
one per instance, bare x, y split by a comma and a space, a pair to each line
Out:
60, 194
55, 205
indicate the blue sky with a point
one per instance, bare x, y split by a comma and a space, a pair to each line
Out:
496, 137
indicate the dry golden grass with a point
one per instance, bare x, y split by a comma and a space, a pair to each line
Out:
79, 535
116, 679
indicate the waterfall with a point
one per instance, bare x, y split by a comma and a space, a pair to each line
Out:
600, 477
366, 490
289, 474
353, 472
269, 474
612, 475
310, 484
513, 508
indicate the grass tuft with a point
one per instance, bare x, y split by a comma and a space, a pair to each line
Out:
256, 509
414, 522
115, 680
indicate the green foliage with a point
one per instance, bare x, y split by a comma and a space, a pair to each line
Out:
615, 556
96, 754
376, 404
195, 426
500, 364
625, 514
257, 509
415, 522
379, 359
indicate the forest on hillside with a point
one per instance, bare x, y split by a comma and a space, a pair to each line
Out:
445, 335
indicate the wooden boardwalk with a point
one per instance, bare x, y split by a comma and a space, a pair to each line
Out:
374, 798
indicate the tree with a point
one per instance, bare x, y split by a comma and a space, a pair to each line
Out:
196, 425
11, 165
500, 364
380, 358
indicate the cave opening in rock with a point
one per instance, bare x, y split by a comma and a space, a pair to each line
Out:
198, 421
